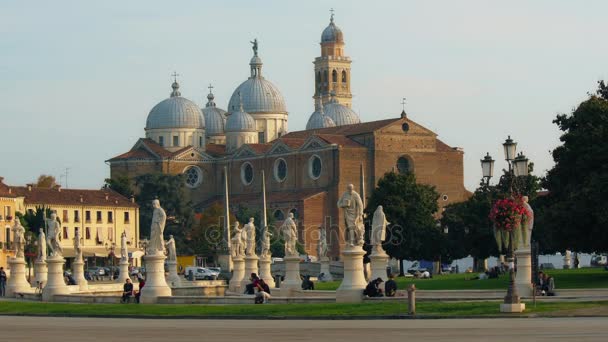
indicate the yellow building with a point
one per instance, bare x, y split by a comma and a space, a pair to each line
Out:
10, 203
101, 216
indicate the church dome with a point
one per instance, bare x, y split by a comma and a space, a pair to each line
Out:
215, 118
175, 112
257, 94
332, 33
318, 119
340, 114
240, 121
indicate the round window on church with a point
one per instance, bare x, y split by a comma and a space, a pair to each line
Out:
194, 176
404, 166
246, 173
280, 170
315, 167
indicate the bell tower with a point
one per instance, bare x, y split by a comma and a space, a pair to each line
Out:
332, 69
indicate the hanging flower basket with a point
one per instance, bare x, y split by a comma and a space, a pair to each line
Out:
508, 215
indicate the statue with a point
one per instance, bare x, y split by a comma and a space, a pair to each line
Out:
265, 253
171, 253
379, 223
290, 235
249, 230
159, 218
124, 252
41, 246
19, 236
255, 46
54, 229
77, 245
352, 207
237, 241
527, 223
322, 248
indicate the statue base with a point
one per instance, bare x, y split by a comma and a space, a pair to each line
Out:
379, 262
292, 275
156, 285
251, 266
17, 282
55, 284
523, 277
40, 273
225, 261
123, 271
78, 274
265, 272
173, 278
238, 273
325, 269
513, 308
353, 284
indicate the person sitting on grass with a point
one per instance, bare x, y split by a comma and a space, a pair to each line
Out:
373, 288
390, 287
263, 294
307, 284
127, 291
548, 285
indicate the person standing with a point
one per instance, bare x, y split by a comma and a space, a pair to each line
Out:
2, 282
142, 283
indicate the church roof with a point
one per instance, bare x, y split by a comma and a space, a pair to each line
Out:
346, 130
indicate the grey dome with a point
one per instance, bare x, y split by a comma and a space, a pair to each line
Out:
340, 114
318, 119
332, 33
175, 112
215, 118
240, 121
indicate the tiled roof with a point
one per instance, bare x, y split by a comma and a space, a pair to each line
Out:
260, 148
104, 197
346, 130
215, 150
339, 139
443, 147
155, 147
271, 197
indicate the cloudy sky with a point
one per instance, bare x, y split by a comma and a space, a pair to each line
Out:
78, 78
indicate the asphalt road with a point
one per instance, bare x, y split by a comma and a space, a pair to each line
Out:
170, 330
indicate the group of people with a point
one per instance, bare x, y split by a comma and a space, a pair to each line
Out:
545, 284
128, 291
259, 288
373, 288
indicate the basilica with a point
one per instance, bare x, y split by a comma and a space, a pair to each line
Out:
305, 171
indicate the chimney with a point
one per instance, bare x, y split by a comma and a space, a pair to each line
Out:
107, 197
10, 190
58, 189
81, 199
29, 187
132, 199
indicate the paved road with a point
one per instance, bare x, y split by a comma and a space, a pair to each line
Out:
165, 330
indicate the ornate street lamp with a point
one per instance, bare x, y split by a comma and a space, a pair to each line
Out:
520, 165
487, 168
510, 148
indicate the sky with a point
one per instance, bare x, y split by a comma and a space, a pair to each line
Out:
78, 78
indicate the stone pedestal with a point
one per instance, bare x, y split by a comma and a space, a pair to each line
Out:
292, 275
78, 274
225, 261
238, 273
325, 269
512, 308
251, 266
123, 271
266, 273
55, 284
523, 277
40, 273
353, 284
379, 262
173, 278
17, 282
156, 285
567, 260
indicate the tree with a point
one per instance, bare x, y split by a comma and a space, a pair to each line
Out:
576, 208
120, 184
47, 182
410, 208
207, 237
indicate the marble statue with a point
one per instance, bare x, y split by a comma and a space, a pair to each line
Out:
290, 235
352, 208
265, 253
528, 224
54, 229
77, 245
171, 252
41, 246
124, 252
237, 241
249, 230
379, 223
19, 237
322, 247
255, 46
159, 218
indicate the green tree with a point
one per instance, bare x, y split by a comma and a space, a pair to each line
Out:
277, 244
207, 236
576, 211
46, 181
409, 207
120, 184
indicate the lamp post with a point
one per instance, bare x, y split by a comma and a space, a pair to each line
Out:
518, 167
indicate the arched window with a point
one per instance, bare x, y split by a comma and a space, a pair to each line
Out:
334, 76
280, 170
278, 215
194, 176
246, 173
325, 77
314, 167
343, 76
404, 165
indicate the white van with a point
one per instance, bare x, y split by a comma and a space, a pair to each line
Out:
201, 273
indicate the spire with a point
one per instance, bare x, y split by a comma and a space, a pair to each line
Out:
331, 18
175, 86
256, 61
403, 113
210, 97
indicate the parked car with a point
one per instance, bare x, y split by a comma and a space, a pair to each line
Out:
96, 271
201, 273
599, 260
547, 266
417, 267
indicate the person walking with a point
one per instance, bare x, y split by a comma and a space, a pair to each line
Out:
2, 282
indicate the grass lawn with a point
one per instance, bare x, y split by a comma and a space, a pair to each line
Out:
564, 279
285, 310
